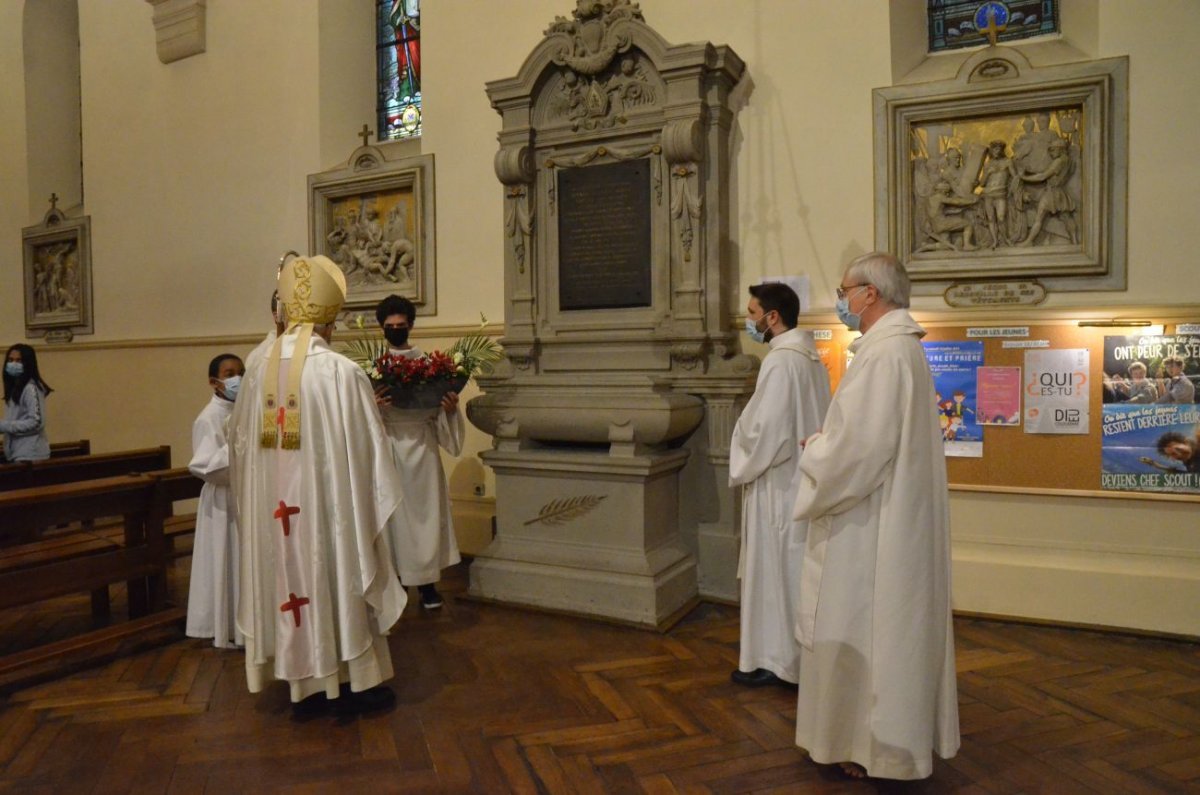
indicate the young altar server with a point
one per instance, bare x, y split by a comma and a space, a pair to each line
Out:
422, 530
877, 678
789, 403
213, 587
314, 481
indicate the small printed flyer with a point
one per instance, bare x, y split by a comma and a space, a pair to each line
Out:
999, 395
1056, 391
954, 366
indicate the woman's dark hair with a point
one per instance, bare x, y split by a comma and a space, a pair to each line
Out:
15, 385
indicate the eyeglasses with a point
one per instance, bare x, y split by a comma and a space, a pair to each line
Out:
841, 291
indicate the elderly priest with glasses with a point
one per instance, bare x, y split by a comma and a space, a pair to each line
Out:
877, 685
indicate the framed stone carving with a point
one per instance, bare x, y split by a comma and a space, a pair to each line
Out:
1006, 172
58, 276
375, 218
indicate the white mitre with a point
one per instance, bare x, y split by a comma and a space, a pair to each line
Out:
311, 291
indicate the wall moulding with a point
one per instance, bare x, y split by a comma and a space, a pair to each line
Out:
1006, 171
179, 28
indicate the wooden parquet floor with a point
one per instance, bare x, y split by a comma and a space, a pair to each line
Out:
495, 700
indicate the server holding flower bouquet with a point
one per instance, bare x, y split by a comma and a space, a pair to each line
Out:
417, 395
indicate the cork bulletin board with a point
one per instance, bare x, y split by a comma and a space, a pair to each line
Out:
1013, 460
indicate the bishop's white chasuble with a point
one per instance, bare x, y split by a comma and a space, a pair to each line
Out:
319, 592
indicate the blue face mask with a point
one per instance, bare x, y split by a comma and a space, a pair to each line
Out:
232, 385
15, 369
852, 320
755, 334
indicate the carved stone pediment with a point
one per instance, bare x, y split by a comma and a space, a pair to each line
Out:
594, 34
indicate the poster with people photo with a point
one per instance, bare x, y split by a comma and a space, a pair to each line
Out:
1151, 417
954, 366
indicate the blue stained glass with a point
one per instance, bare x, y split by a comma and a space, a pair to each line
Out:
956, 23
398, 64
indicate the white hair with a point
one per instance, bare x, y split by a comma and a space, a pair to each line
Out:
885, 273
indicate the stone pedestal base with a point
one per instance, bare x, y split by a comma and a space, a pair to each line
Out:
589, 533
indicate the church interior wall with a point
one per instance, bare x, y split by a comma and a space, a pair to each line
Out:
194, 177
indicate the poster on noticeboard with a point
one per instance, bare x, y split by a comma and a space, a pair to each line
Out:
1151, 419
954, 366
1056, 391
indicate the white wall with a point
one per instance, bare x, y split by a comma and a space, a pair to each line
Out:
195, 181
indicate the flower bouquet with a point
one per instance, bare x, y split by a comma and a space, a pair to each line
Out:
420, 382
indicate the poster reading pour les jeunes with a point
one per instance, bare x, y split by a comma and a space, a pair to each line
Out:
1056, 391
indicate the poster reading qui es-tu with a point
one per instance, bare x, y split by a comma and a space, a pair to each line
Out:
1056, 391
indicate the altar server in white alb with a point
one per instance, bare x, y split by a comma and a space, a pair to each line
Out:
422, 530
314, 481
877, 686
789, 402
213, 587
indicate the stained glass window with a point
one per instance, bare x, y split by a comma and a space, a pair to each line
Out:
960, 23
398, 57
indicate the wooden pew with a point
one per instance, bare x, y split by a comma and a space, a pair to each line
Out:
178, 484
84, 560
32, 474
61, 449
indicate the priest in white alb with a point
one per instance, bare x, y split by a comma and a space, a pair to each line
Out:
789, 403
877, 679
314, 481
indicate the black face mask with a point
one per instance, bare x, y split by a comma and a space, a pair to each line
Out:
397, 337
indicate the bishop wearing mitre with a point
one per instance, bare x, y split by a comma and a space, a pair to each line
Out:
314, 482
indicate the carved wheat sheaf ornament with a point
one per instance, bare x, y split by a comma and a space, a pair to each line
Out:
564, 510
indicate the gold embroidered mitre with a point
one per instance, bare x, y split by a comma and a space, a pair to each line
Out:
311, 291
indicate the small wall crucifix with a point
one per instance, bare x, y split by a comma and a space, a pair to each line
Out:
365, 133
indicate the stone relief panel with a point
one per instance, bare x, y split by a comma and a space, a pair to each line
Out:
1006, 171
1012, 181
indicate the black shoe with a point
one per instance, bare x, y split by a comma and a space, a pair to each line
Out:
311, 707
373, 699
756, 678
430, 598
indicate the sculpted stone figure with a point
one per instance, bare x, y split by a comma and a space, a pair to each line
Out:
946, 217
999, 179
1055, 199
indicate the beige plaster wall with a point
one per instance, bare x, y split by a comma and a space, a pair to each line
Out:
195, 181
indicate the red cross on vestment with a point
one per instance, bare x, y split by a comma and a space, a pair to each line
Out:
279, 417
294, 604
284, 513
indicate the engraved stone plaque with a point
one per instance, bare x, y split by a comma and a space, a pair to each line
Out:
971, 294
604, 236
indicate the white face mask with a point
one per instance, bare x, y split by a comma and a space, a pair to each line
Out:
752, 330
230, 387
853, 320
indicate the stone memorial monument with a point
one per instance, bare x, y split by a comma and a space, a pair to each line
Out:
612, 414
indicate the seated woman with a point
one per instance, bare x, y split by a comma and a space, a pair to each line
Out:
24, 423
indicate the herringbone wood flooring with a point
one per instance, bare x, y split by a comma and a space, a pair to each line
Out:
494, 700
